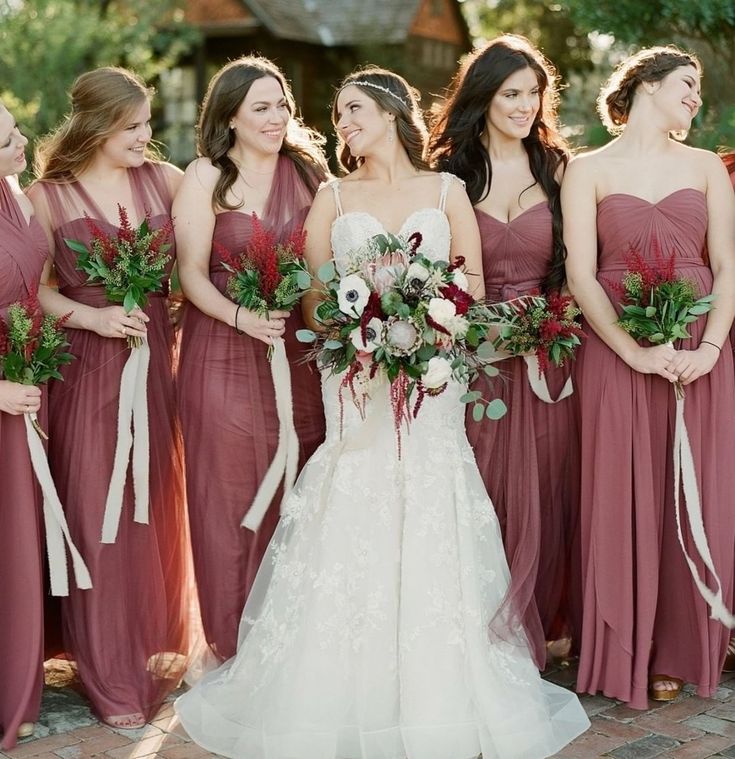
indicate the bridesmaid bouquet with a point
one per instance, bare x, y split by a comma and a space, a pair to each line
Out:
268, 275
657, 304
406, 317
130, 263
32, 346
544, 325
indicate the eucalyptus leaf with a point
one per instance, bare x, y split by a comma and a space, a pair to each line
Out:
496, 409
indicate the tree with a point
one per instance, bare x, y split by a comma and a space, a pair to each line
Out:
706, 27
46, 44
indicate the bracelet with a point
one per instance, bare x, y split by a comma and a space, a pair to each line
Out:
714, 345
239, 331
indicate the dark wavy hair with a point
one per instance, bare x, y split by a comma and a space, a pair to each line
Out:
456, 144
225, 94
651, 64
402, 103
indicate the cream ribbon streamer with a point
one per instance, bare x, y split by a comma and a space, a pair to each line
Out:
286, 459
132, 415
686, 477
57, 530
538, 383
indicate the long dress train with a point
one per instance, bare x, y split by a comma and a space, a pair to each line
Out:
366, 633
23, 251
641, 611
128, 635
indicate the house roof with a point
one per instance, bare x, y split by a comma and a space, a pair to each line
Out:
357, 22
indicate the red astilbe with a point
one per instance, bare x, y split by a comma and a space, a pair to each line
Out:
126, 231
106, 242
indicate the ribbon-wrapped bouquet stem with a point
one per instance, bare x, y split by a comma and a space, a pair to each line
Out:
32, 349
271, 275
131, 263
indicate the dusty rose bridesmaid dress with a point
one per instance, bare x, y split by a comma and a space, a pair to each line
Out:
529, 458
642, 612
128, 635
230, 425
23, 251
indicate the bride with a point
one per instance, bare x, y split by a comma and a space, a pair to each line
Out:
370, 632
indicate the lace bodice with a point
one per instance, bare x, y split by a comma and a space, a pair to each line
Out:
350, 230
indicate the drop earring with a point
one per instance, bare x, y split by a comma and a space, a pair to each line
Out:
392, 132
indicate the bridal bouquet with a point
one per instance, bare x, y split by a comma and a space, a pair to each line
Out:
32, 349
402, 315
32, 346
546, 326
130, 263
267, 275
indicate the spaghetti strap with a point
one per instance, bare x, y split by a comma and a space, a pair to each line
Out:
446, 181
334, 184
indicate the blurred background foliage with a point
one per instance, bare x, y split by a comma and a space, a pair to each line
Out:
45, 44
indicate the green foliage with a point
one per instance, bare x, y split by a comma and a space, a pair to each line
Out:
46, 44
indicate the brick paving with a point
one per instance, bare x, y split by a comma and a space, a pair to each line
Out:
689, 728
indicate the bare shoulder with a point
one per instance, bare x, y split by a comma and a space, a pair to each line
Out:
202, 170
583, 167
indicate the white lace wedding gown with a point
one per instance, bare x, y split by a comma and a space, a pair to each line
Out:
366, 633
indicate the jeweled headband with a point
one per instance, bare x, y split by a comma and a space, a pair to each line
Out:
363, 83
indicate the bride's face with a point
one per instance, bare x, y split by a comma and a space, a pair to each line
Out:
361, 122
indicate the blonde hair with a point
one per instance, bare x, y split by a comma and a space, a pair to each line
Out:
102, 102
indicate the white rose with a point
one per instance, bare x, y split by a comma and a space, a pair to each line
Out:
373, 332
442, 311
352, 295
438, 372
460, 279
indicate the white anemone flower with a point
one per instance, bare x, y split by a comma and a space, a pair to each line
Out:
373, 333
352, 295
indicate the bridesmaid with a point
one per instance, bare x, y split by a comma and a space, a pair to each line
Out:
23, 250
256, 158
128, 635
498, 131
645, 626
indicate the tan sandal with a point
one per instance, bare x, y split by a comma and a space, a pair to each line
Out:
125, 721
26, 729
664, 694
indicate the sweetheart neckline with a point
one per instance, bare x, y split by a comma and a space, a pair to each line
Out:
652, 203
515, 218
382, 225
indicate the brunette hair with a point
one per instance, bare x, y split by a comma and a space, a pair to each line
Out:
456, 142
225, 93
393, 94
651, 64
102, 102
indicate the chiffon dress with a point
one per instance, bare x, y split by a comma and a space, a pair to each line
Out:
366, 633
642, 614
529, 459
230, 423
23, 251
128, 635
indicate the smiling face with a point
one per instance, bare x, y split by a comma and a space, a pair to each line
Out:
514, 107
125, 147
261, 121
362, 124
12, 145
677, 97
